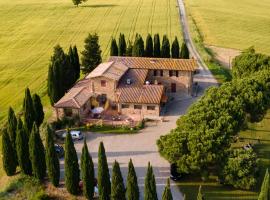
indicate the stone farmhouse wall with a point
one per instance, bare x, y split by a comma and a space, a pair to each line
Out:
143, 112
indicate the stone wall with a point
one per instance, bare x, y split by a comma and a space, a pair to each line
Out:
140, 112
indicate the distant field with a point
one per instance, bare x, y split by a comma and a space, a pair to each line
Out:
29, 29
233, 24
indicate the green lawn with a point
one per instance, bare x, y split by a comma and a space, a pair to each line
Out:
31, 28
233, 24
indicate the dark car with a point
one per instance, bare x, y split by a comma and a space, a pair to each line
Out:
59, 150
175, 175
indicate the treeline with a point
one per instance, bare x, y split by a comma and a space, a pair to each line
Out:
151, 48
201, 143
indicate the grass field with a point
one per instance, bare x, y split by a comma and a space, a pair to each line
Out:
31, 28
233, 24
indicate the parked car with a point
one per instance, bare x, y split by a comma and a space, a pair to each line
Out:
76, 135
59, 150
175, 175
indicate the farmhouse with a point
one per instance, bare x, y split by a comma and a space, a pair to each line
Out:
131, 86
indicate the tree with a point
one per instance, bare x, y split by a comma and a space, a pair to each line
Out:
12, 127
165, 48
122, 45
200, 195
156, 46
8, 154
150, 192
104, 184
114, 48
72, 172
184, 53
76, 64
132, 183
265, 187
22, 149
77, 2
149, 46
167, 195
175, 48
138, 47
38, 108
118, 187
129, 49
52, 161
37, 154
28, 110
91, 56
88, 173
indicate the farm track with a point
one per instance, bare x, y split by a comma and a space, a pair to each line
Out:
134, 22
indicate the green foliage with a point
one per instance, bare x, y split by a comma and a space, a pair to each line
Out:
88, 173
72, 172
129, 49
118, 187
184, 53
167, 195
149, 51
41, 195
76, 63
104, 184
28, 110
138, 47
37, 154
165, 47
265, 187
132, 192
8, 154
175, 48
38, 108
114, 48
122, 45
52, 161
12, 127
200, 195
150, 192
91, 55
22, 149
156, 46
77, 2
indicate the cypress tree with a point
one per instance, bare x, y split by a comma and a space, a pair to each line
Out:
104, 184
76, 60
200, 195
8, 153
264, 193
132, 183
22, 149
167, 195
72, 172
138, 47
175, 48
149, 46
37, 154
88, 173
165, 48
38, 108
71, 71
11, 128
52, 161
118, 187
28, 110
91, 56
129, 49
122, 45
184, 53
156, 46
150, 192
114, 48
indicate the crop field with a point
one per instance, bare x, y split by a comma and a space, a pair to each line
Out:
29, 29
233, 24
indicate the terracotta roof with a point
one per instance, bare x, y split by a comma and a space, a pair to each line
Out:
147, 94
157, 63
136, 76
111, 70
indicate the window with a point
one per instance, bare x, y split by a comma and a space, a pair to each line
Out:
125, 106
155, 72
161, 72
103, 83
176, 73
68, 112
137, 107
151, 107
170, 73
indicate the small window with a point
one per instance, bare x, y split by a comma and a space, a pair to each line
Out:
170, 73
103, 83
155, 72
176, 73
151, 107
137, 107
125, 106
161, 72
68, 112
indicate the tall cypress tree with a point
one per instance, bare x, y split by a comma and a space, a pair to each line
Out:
167, 195
129, 49
114, 48
200, 195
52, 161
118, 187
104, 184
132, 183
165, 48
122, 45
37, 154
76, 60
184, 53
175, 48
28, 110
150, 192
91, 56
71, 72
38, 108
138, 47
8, 153
11, 128
88, 173
149, 46
22, 149
264, 193
72, 172
156, 46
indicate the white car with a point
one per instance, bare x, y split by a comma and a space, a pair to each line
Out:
76, 135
